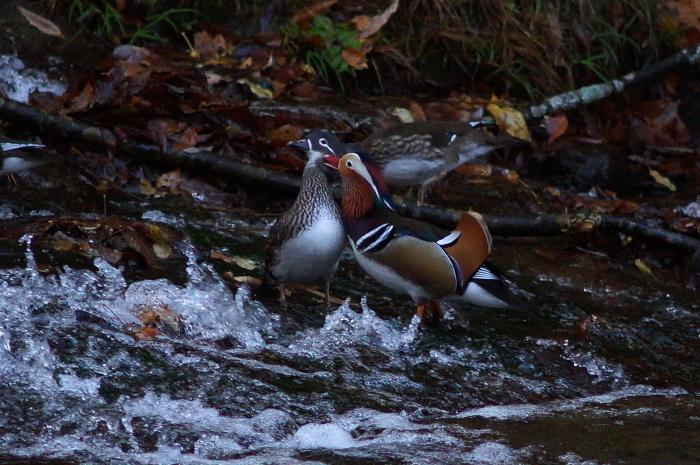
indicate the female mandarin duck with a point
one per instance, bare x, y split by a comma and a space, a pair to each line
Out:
413, 257
424, 152
306, 241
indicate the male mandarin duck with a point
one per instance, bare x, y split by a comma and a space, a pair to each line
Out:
413, 257
13, 159
306, 241
424, 152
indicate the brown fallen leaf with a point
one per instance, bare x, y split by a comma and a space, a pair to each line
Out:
376, 22
556, 126
303, 18
82, 101
143, 333
686, 12
41, 23
354, 58
476, 169
242, 279
287, 133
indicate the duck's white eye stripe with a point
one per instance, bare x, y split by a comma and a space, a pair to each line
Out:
324, 143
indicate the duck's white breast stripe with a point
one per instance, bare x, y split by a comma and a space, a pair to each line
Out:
383, 231
449, 240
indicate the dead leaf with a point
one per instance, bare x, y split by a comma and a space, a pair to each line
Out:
287, 133
663, 180
512, 177
403, 114
146, 187
83, 101
257, 89
511, 120
304, 17
144, 333
687, 12
556, 126
237, 260
188, 139
41, 23
162, 251
417, 111
361, 22
353, 58
247, 63
643, 267
211, 48
477, 169
376, 22
242, 279
169, 181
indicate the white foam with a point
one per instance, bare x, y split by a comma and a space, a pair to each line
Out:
19, 82
493, 453
522, 411
323, 436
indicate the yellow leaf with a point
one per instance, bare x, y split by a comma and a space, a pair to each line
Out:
256, 89
511, 120
41, 23
403, 114
146, 187
663, 180
247, 63
643, 267
162, 251
244, 263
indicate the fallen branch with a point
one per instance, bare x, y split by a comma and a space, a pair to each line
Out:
100, 139
259, 178
549, 225
589, 94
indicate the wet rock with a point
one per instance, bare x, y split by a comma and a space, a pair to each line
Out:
583, 166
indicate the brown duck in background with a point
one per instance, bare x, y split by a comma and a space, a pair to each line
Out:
424, 152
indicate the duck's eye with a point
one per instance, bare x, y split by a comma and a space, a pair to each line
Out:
323, 142
348, 164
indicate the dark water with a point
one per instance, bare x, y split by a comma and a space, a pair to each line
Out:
600, 369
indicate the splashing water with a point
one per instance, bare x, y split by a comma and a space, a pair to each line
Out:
361, 388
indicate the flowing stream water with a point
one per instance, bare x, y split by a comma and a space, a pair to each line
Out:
242, 381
